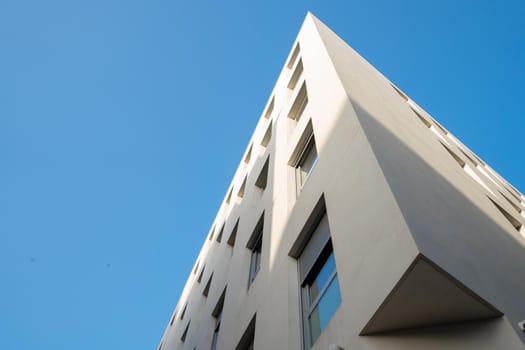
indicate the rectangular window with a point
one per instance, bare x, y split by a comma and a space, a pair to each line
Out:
262, 179
217, 313
299, 105
185, 333
296, 75
248, 337
293, 56
255, 245
306, 162
320, 293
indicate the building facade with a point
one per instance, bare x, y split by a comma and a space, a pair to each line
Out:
355, 221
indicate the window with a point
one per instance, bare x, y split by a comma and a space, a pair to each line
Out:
219, 236
262, 179
399, 92
294, 55
240, 194
299, 105
248, 337
255, 245
306, 162
269, 110
183, 311
217, 313
233, 234
267, 136
199, 279
248, 155
185, 333
296, 75
320, 293
229, 197
513, 221
206, 290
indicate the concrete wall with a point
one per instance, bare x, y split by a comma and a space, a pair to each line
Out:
392, 193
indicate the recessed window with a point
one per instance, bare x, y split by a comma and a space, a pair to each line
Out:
467, 156
195, 268
296, 75
402, 94
233, 234
172, 319
513, 221
229, 197
206, 290
306, 162
210, 237
199, 279
320, 293
518, 209
262, 179
240, 194
255, 245
269, 110
217, 314
294, 56
299, 105
423, 120
185, 333
267, 136
458, 160
183, 311
445, 131
248, 337
248, 155
219, 236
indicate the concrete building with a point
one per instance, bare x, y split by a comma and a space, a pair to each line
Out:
355, 221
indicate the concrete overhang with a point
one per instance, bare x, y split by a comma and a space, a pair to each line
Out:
426, 295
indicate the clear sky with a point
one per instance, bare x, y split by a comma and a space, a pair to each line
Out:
122, 123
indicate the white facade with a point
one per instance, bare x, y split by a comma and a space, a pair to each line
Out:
352, 201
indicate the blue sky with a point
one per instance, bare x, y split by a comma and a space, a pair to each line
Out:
122, 123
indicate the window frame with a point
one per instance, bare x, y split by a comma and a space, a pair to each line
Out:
255, 259
309, 146
254, 244
308, 305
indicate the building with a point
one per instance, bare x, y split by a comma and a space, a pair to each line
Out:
355, 221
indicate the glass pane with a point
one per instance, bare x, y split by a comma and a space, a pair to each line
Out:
307, 161
322, 277
324, 310
214, 340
